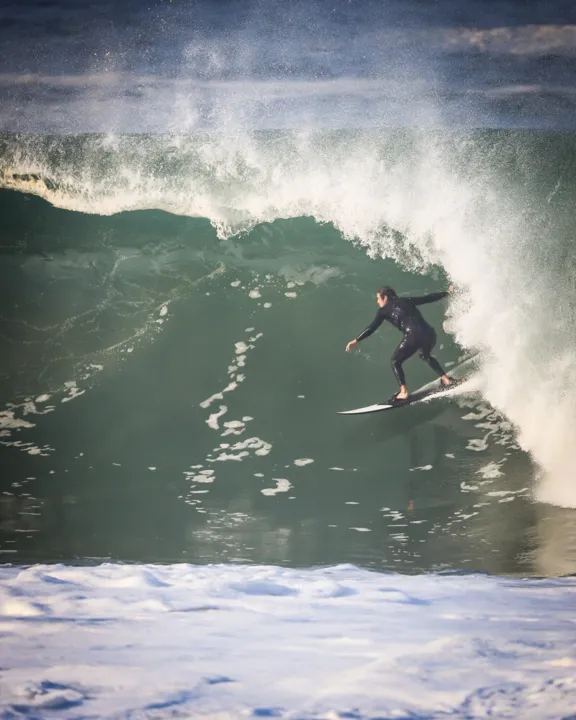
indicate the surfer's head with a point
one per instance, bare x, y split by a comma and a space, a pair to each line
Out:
383, 294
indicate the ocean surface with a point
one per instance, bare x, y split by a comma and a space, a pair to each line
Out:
198, 202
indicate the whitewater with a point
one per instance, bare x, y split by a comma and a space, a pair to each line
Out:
233, 641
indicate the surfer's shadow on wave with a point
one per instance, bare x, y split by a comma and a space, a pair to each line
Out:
386, 427
431, 430
381, 430
427, 445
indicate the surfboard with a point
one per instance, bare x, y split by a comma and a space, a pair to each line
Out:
426, 392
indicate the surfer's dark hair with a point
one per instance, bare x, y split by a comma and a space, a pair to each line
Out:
387, 292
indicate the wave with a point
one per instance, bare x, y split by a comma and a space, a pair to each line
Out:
494, 209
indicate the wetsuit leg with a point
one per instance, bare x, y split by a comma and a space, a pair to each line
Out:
425, 355
405, 350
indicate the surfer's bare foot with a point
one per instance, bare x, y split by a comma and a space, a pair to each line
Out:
447, 381
403, 394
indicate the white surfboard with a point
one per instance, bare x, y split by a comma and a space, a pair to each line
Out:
426, 392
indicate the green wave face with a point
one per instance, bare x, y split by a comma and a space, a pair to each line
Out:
175, 313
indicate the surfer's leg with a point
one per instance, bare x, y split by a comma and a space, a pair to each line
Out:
432, 362
425, 355
406, 349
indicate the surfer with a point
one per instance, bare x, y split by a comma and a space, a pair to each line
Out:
403, 313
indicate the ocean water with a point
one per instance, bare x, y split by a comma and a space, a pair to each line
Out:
175, 316
198, 202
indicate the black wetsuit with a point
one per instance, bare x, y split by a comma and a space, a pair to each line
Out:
418, 334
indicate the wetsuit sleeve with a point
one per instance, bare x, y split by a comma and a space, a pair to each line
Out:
374, 325
424, 299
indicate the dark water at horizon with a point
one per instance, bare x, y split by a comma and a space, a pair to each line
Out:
188, 66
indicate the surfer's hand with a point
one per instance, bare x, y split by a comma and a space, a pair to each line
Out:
451, 289
351, 345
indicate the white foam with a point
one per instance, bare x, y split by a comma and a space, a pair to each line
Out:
464, 646
204, 476
241, 450
500, 493
213, 419
491, 471
224, 457
9, 420
478, 444
73, 390
211, 399
234, 424
303, 461
467, 487
258, 446
282, 485
234, 427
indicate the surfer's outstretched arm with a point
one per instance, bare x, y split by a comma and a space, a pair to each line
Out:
430, 298
374, 325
